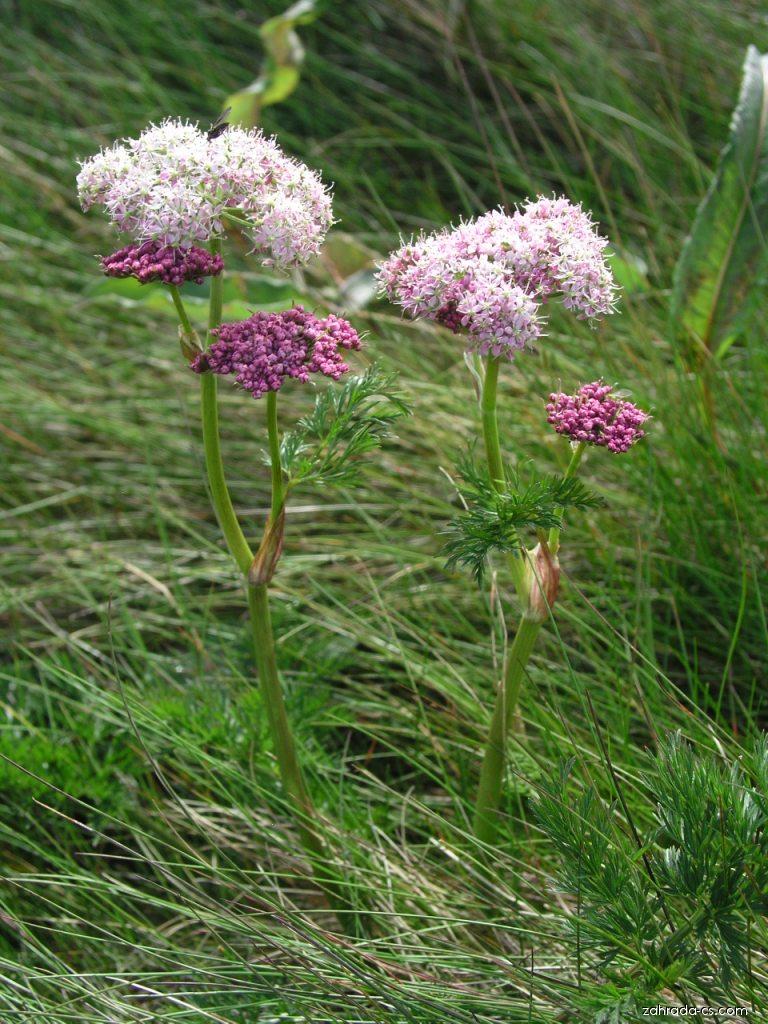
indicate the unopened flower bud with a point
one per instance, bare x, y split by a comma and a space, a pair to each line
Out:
593, 415
191, 345
542, 575
268, 348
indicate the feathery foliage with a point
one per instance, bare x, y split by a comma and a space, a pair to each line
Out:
680, 906
495, 520
346, 422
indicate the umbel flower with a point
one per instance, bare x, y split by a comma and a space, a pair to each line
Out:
173, 185
153, 261
593, 416
489, 276
264, 350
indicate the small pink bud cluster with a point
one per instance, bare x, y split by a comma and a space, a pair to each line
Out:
152, 261
174, 185
489, 277
267, 348
592, 416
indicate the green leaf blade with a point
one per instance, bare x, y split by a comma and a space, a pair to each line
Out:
281, 68
725, 257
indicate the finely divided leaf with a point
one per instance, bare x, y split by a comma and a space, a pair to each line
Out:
494, 521
346, 422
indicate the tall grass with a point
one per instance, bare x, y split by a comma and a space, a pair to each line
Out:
149, 870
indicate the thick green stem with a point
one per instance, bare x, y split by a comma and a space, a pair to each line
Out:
216, 301
280, 729
573, 465
220, 498
282, 737
209, 410
490, 423
222, 502
492, 772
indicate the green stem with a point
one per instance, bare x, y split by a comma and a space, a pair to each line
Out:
278, 494
186, 324
222, 502
573, 465
282, 737
280, 729
492, 772
490, 423
494, 457
220, 497
209, 409
216, 300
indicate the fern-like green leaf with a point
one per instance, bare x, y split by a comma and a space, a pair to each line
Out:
345, 423
497, 520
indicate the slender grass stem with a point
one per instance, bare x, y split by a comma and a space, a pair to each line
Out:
278, 494
492, 772
186, 324
573, 465
493, 454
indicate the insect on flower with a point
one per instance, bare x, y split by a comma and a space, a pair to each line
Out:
219, 126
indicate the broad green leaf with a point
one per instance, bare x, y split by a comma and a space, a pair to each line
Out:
241, 297
281, 68
724, 260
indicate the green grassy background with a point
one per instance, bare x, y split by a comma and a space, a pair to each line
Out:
150, 873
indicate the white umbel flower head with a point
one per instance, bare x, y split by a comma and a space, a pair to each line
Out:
489, 278
173, 185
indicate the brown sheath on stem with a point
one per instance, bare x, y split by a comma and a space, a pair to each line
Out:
266, 558
543, 581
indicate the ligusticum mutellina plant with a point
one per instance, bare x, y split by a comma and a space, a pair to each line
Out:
489, 280
174, 193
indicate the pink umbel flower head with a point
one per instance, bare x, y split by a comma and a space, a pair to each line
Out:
594, 416
152, 261
173, 184
489, 277
264, 350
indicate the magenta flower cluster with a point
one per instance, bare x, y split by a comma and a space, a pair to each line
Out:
152, 261
489, 277
174, 185
593, 416
267, 348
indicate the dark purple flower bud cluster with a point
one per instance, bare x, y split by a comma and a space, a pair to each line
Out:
593, 416
265, 349
449, 316
153, 261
